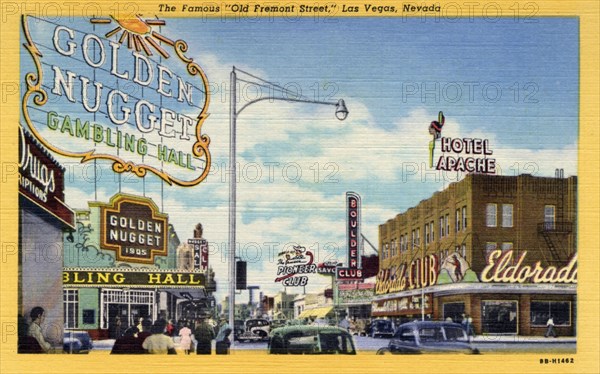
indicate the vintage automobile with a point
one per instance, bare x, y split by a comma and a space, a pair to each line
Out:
75, 341
429, 337
380, 328
254, 329
309, 339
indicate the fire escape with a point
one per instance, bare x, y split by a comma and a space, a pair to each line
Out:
554, 232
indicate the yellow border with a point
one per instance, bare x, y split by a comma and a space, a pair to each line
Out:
586, 360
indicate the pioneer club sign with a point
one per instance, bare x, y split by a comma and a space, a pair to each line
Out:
133, 227
118, 90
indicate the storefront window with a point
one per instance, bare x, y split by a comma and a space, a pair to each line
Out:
71, 306
499, 316
542, 310
454, 311
128, 305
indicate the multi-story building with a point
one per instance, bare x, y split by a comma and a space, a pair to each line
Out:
283, 306
500, 249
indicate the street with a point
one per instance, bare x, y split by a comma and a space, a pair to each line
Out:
486, 345
368, 345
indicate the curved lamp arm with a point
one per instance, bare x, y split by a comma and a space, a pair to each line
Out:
341, 112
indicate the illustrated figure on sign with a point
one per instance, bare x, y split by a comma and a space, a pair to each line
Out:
435, 129
455, 266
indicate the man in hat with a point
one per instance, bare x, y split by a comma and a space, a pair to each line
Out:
204, 335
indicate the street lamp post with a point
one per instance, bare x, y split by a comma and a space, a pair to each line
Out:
421, 269
341, 113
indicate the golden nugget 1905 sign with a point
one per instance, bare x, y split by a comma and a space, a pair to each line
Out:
133, 227
118, 90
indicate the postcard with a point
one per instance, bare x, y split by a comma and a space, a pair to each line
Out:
251, 186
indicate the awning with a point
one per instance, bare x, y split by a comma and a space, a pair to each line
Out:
316, 312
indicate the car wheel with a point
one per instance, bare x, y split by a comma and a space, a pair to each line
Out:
384, 351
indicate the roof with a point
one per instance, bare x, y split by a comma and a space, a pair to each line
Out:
308, 329
316, 312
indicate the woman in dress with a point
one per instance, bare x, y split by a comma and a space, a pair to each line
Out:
186, 338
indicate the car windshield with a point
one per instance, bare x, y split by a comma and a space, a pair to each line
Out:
256, 322
382, 324
311, 342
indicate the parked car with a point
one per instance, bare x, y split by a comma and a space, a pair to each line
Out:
380, 328
75, 341
254, 329
278, 323
429, 337
309, 339
238, 328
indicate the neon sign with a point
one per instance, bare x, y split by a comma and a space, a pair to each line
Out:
119, 97
501, 268
418, 274
353, 271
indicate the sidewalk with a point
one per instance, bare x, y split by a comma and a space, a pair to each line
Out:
521, 339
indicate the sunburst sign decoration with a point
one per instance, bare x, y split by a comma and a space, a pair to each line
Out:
138, 34
129, 95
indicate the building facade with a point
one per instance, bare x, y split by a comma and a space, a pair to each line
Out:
120, 265
499, 249
44, 218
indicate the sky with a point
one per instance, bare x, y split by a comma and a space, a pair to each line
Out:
511, 82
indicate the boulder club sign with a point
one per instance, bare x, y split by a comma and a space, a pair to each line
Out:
354, 270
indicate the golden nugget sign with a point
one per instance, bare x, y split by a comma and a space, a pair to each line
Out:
118, 90
502, 267
131, 278
134, 229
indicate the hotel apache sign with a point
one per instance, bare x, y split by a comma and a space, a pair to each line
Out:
118, 90
133, 227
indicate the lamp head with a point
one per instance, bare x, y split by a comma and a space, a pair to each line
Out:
341, 112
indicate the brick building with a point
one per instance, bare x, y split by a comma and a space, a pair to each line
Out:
501, 249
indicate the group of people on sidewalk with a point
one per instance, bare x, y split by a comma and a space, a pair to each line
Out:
156, 339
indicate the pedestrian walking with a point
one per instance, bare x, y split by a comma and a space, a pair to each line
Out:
117, 328
128, 343
204, 334
186, 339
550, 330
223, 343
158, 342
345, 324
